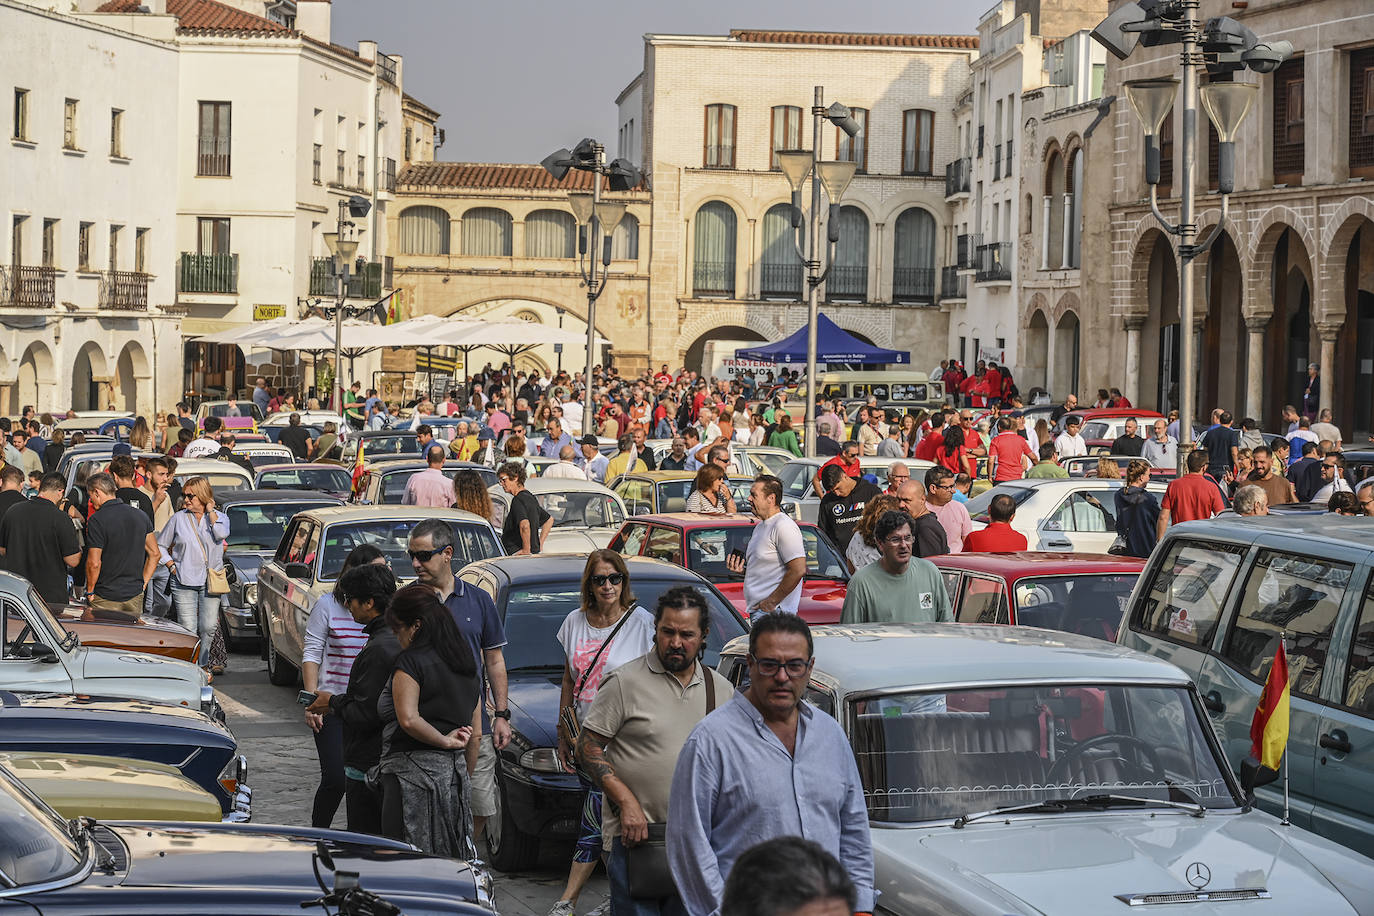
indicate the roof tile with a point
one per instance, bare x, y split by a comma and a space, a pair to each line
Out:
204, 16
865, 39
491, 175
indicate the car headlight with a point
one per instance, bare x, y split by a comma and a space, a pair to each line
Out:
541, 760
250, 593
234, 774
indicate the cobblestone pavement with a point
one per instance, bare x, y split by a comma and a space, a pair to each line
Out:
283, 771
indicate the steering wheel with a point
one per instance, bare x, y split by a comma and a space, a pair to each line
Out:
1061, 766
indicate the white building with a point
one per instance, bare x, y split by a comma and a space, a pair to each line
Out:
89, 207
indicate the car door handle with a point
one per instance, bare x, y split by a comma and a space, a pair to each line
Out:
1212, 700
1336, 740
1060, 543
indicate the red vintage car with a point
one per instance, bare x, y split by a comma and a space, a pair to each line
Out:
1102, 425
1083, 593
703, 542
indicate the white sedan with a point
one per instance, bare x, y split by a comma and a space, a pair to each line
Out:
586, 515
1077, 515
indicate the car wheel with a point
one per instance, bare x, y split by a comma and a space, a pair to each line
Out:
507, 847
279, 671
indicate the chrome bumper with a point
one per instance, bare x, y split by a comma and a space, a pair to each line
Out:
242, 811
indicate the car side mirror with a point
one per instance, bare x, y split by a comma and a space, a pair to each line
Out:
1254, 774
299, 571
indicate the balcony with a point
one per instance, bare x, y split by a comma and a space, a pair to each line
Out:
713, 280
964, 250
124, 291
28, 287
994, 263
366, 284
847, 283
386, 69
782, 281
957, 177
914, 285
208, 273
953, 285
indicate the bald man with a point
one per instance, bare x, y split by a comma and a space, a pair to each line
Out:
931, 540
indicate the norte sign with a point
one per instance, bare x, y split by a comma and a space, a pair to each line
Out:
268, 312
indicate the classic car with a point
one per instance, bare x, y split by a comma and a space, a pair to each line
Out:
703, 542
315, 419
247, 411
585, 514
798, 484
257, 521
120, 788
745, 460
44, 655
378, 442
262, 454
307, 562
1014, 770
197, 746
384, 482
222, 475
330, 479
90, 420
84, 867
154, 635
648, 492
1100, 425
1083, 593
537, 798
1214, 599
1076, 515
1086, 466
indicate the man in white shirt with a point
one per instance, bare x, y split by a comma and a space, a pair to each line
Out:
207, 446
1161, 450
594, 463
1070, 444
572, 413
1325, 429
566, 466
775, 562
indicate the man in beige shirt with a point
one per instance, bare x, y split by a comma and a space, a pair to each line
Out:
159, 487
641, 717
1277, 489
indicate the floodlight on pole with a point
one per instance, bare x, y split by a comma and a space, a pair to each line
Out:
581, 203
1151, 100
557, 163
1227, 104
843, 118
835, 178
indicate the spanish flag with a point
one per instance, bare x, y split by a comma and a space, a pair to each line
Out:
1269, 729
358, 484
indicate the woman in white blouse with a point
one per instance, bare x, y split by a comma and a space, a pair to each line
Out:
191, 543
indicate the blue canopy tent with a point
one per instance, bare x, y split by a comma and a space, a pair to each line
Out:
833, 345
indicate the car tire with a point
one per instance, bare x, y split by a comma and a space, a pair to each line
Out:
508, 849
279, 671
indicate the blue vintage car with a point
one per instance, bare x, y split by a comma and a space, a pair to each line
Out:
81, 867
200, 747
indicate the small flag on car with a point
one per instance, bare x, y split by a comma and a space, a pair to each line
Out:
358, 483
1269, 728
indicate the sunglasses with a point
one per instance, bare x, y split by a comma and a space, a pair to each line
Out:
613, 578
424, 556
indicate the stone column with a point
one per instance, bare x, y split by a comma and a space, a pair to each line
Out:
1066, 235
1255, 326
1329, 334
1131, 384
1046, 204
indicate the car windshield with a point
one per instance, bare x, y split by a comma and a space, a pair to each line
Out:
533, 616
399, 444
50, 631
978, 506
37, 847
259, 526
772, 463
796, 477
708, 548
581, 509
471, 541
394, 483
672, 494
330, 480
1095, 429
246, 409
1086, 604
940, 754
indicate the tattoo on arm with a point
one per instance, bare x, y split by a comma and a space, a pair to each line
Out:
591, 750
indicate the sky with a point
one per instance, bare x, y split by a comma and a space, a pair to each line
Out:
517, 79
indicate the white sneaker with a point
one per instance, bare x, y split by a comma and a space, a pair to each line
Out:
563, 908
601, 910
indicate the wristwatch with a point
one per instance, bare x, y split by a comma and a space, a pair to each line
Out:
501, 714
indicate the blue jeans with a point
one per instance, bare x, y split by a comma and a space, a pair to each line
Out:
622, 904
197, 612
156, 601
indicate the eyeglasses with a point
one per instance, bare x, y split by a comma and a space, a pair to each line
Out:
898, 540
795, 667
613, 578
898, 476
424, 556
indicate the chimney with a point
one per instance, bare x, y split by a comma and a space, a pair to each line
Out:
312, 18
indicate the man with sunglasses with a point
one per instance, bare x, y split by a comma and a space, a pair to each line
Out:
431, 556
766, 765
900, 587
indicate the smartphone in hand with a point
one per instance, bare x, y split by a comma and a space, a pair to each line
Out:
305, 698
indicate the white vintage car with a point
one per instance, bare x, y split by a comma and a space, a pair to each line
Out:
586, 515
46, 657
1014, 770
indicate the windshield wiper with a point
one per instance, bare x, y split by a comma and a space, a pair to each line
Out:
1060, 805
80, 829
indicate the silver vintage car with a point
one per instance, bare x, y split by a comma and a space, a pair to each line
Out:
586, 515
1014, 770
312, 551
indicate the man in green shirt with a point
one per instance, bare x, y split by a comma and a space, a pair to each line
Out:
899, 588
353, 409
1047, 466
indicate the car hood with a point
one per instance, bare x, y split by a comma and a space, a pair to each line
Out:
124, 664
822, 600
1080, 863
534, 697
247, 562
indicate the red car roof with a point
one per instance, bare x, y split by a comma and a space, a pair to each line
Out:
1017, 565
1098, 413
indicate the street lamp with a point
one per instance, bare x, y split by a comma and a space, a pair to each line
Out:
596, 221
1224, 47
834, 177
344, 247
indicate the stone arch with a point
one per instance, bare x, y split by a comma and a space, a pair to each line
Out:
1268, 228
1065, 346
132, 390
693, 354
35, 378
1133, 286
736, 315
1340, 231
1035, 344
1341, 225
1051, 146
1068, 302
1038, 303
90, 378
1072, 144
879, 333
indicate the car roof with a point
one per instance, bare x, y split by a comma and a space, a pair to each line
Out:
374, 513
1022, 563
569, 567
379, 433
869, 657
233, 497
554, 484
298, 465
689, 520
1330, 527
207, 466
414, 464
1107, 413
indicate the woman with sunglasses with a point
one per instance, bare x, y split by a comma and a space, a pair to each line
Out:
710, 493
608, 630
332, 640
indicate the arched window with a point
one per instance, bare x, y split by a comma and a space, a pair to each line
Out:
782, 269
424, 230
848, 278
713, 266
550, 234
913, 258
625, 239
487, 233
1075, 226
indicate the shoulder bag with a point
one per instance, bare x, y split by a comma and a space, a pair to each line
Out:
568, 714
650, 876
216, 582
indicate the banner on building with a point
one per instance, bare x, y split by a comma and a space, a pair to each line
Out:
996, 355
731, 367
268, 312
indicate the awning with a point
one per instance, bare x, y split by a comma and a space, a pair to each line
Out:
833, 345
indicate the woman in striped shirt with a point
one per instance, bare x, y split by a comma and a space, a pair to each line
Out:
332, 640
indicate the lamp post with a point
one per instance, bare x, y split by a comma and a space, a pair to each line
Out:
1223, 46
559, 349
343, 245
796, 165
596, 221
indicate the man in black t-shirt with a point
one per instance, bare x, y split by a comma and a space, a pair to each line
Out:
11, 490
296, 438
38, 541
121, 554
1130, 443
1221, 443
843, 504
122, 470
523, 508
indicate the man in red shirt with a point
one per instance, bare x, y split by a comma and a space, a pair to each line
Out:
1010, 453
999, 536
1192, 496
847, 460
992, 381
931, 442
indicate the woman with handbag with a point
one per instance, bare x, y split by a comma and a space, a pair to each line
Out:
608, 630
192, 551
